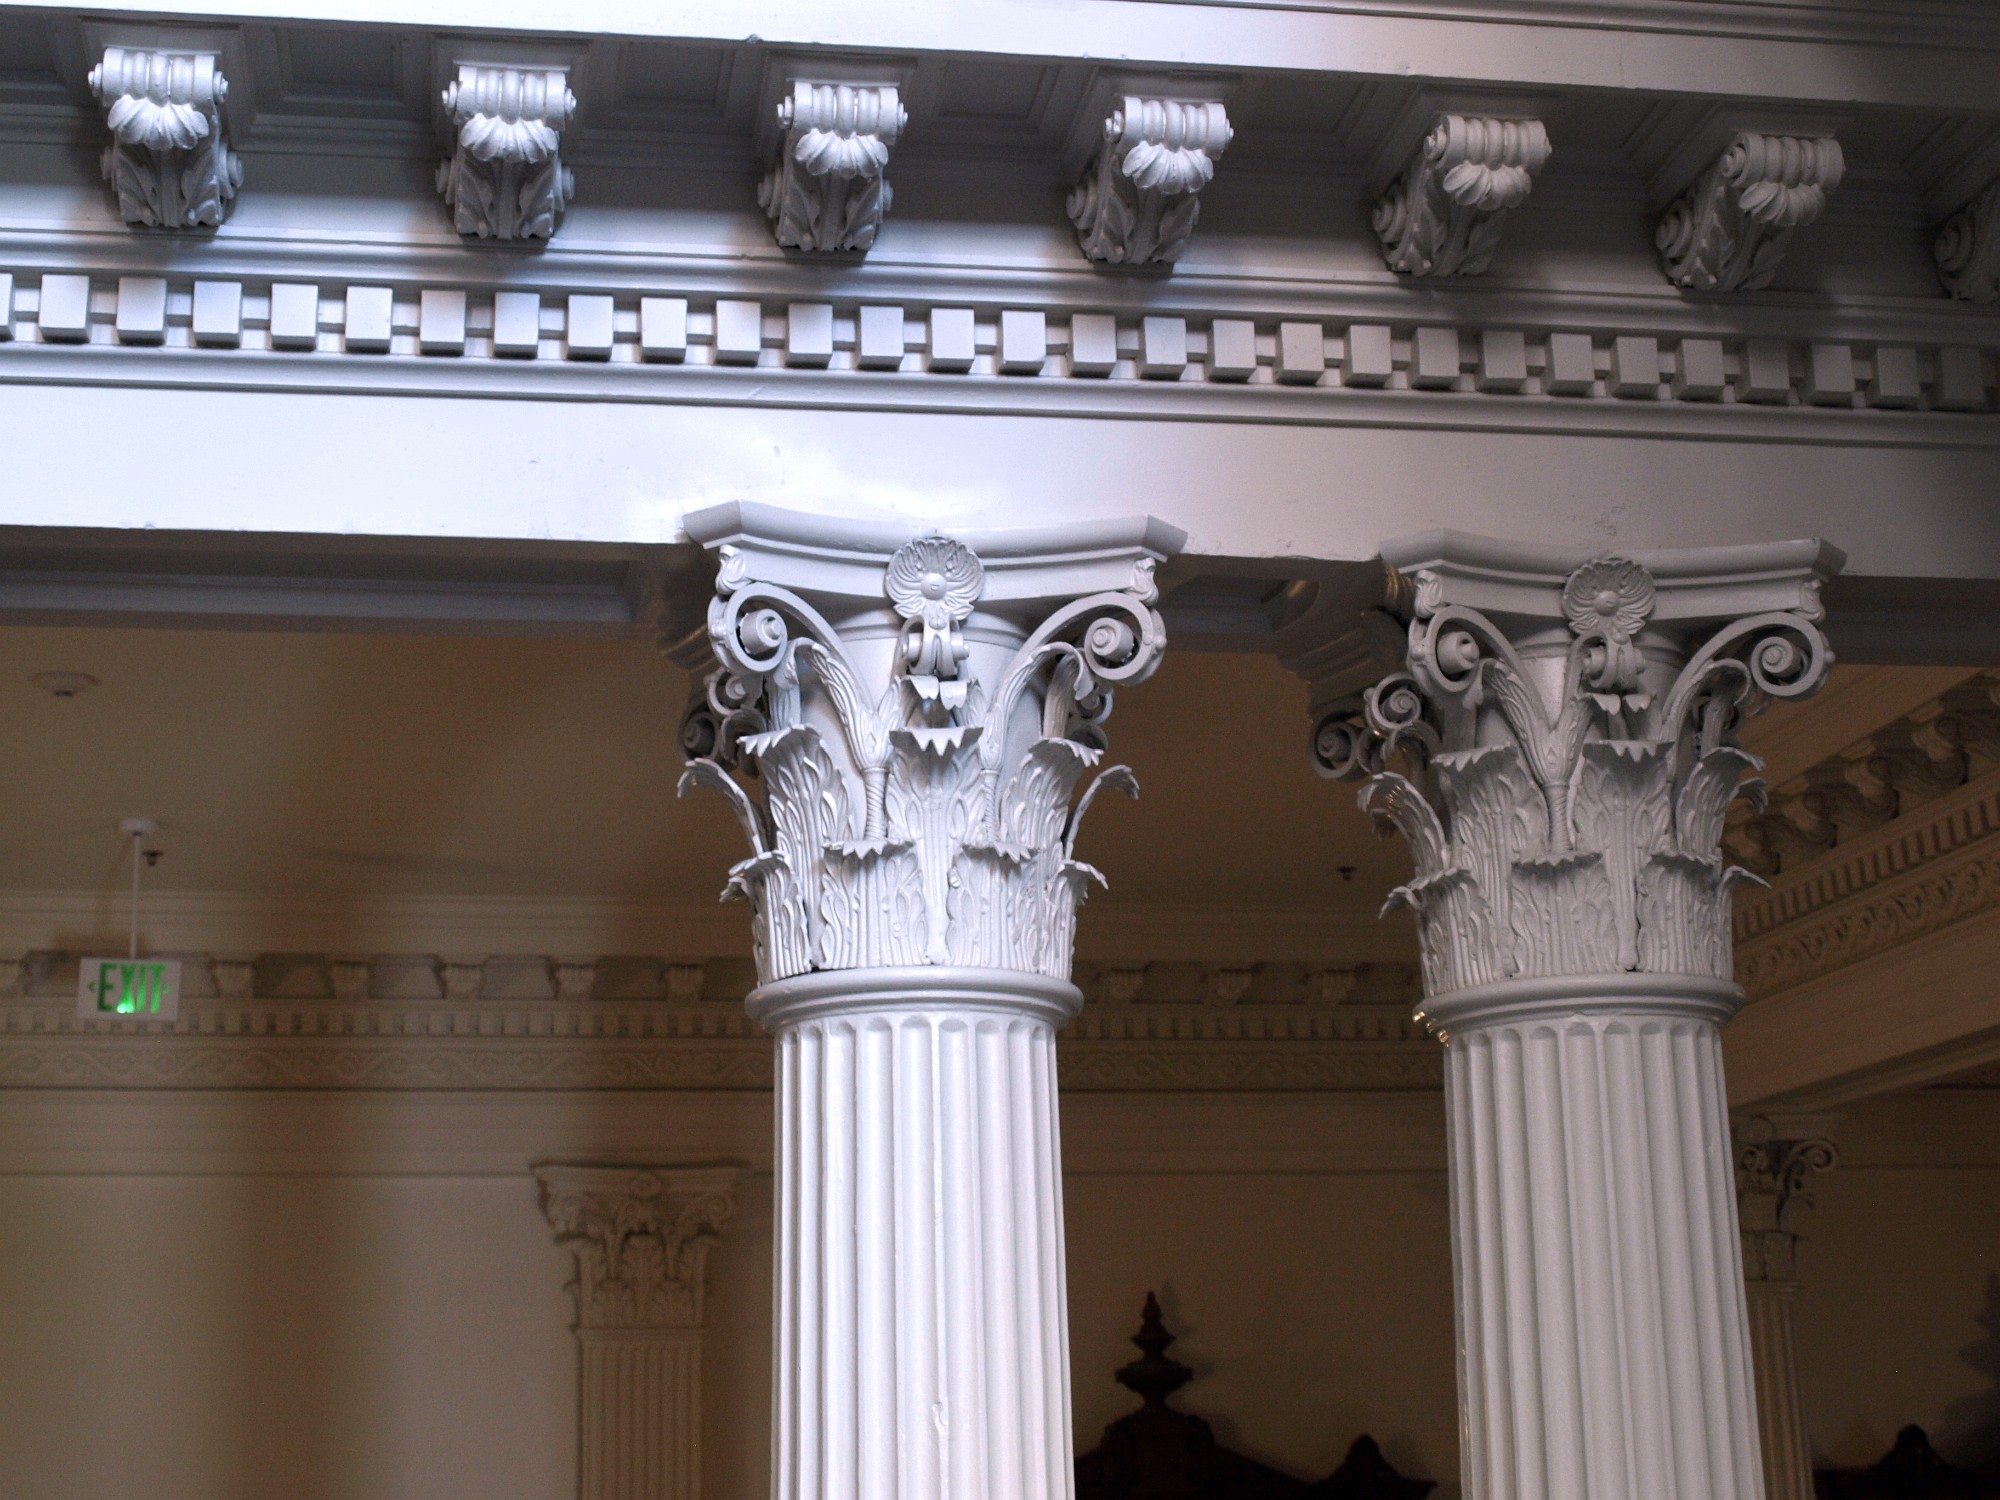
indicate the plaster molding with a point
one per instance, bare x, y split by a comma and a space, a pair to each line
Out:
828, 189
169, 160
1138, 201
1444, 214
1571, 752
505, 179
1729, 231
1968, 248
916, 767
1776, 1156
640, 1237
1541, 363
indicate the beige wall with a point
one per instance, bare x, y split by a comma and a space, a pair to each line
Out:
216, 1296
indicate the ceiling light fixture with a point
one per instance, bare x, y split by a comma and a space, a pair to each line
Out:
63, 684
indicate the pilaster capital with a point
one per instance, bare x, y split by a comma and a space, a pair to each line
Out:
913, 717
1138, 200
640, 1236
1444, 213
168, 160
1567, 728
1729, 231
1777, 1155
828, 187
505, 179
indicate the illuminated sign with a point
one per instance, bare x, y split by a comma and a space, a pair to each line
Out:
142, 987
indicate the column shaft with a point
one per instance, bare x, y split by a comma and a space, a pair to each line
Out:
1780, 1410
1601, 1316
640, 1414
922, 1346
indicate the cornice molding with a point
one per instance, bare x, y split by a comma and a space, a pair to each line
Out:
1892, 372
1290, 1027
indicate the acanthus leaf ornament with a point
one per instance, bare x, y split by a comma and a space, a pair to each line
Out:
1968, 248
1444, 213
829, 189
1563, 817
937, 824
1139, 199
168, 160
1729, 231
505, 178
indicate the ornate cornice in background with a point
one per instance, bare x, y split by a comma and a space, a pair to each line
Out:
1923, 861
1290, 1026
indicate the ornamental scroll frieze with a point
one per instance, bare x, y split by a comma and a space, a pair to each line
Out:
1729, 231
1138, 202
640, 1238
168, 161
1568, 820
1444, 214
934, 820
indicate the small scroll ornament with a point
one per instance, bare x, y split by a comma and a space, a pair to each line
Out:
1138, 203
505, 179
1968, 249
167, 161
926, 834
1729, 232
1444, 215
829, 187
1578, 836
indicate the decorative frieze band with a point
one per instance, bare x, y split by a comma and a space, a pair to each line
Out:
1176, 355
529, 1024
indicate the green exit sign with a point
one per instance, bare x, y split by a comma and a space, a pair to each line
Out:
140, 987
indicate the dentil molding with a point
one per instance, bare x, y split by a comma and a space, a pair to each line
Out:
1138, 202
1729, 231
168, 160
505, 179
1444, 214
829, 189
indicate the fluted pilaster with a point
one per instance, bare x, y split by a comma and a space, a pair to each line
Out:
914, 718
1559, 756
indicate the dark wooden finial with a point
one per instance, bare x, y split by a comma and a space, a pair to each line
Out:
1153, 1376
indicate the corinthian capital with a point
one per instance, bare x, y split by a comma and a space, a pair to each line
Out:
1138, 202
505, 179
641, 1237
1568, 737
1776, 1158
829, 187
916, 717
1728, 232
167, 161
1443, 215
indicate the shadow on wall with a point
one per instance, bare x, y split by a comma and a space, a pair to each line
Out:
1970, 1431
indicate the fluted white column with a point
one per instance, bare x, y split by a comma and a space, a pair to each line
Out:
1775, 1156
640, 1238
1559, 756
914, 717
921, 1345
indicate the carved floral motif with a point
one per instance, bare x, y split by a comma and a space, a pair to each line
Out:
641, 1240
1576, 836
505, 179
829, 188
1729, 232
926, 834
167, 161
1444, 215
1968, 248
1139, 200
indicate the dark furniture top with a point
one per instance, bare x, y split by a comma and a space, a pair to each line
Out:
1158, 1453
1912, 1470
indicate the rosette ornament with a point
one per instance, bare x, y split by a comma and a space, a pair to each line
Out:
924, 816
1564, 798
